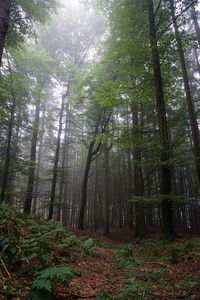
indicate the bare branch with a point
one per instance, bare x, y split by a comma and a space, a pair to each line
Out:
177, 16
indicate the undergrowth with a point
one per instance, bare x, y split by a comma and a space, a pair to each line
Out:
149, 261
42, 286
36, 258
38, 249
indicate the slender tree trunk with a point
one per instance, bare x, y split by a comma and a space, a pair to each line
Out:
138, 180
14, 154
195, 21
84, 186
91, 156
9, 137
189, 100
96, 187
63, 168
39, 161
8, 150
107, 190
56, 160
165, 189
4, 23
130, 192
119, 195
67, 199
197, 58
31, 175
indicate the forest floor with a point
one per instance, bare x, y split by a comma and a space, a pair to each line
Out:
127, 268
117, 266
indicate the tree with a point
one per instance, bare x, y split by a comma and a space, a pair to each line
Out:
31, 176
9, 138
36, 72
138, 177
5, 6
189, 100
15, 91
56, 160
103, 118
165, 188
71, 51
17, 19
107, 149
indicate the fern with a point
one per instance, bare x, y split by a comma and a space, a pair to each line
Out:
42, 285
57, 272
88, 245
135, 289
124, 251
70, 241
55, 233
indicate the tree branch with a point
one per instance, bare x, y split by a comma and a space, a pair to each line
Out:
157, 9
177, 16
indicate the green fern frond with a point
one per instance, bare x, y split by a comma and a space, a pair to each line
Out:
88, 245
42, 285
61, 273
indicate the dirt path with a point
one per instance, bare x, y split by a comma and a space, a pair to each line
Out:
98, 276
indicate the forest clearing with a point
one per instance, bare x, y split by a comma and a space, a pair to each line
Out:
99, 149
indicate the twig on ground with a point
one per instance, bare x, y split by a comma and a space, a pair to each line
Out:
5, 268
78, 296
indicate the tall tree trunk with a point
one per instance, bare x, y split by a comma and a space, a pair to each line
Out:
8, 150
4, 23
119, 196
165, 188
9, 136
84, 186
63, 167
31, 175
13, 158
189, 100
39, 161
130, 191
90, 157
138, 179
95, 201
56, 160
130, 180
195, 21
107, 190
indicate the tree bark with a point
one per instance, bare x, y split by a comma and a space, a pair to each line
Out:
90, 157
31, 175
13, 158
107, 191
165, 188
8, 150
130, 191
56, 160
84, 186
4, 23
189, 100
63, 167
39, 162
195, 21
138, 179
